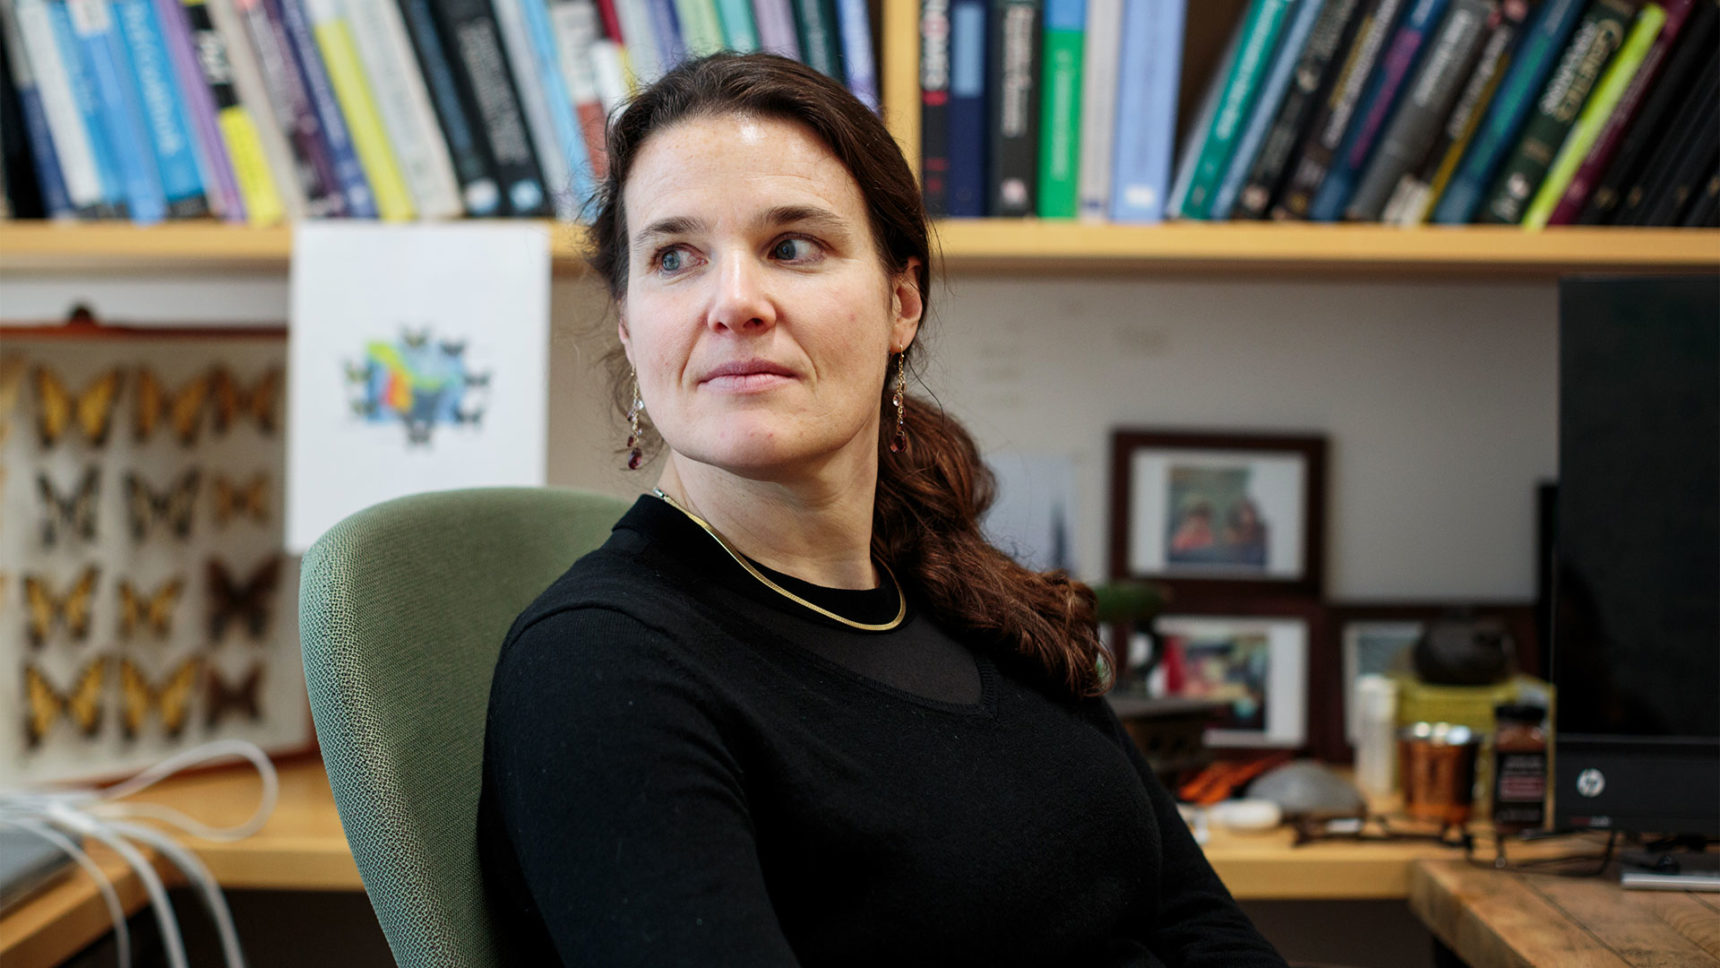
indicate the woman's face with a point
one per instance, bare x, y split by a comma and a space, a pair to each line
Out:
757, 314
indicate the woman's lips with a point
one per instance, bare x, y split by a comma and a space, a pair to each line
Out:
746, 376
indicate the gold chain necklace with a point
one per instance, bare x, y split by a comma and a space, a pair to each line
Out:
740, 559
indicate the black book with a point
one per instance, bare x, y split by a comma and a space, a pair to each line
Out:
479, 65
480, 194
1704, 211
1686, 174
23, 192
935, 106
1665, 162
1012, 81
1693, 52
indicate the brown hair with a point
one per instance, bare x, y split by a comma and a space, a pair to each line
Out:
930, 497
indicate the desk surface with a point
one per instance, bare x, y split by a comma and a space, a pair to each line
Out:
302, 847
1505, 919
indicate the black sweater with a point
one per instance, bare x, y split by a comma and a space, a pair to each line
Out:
684, 768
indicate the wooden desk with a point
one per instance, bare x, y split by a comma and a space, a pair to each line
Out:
1503, 919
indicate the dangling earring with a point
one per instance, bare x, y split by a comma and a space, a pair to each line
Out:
899, 442
635, 456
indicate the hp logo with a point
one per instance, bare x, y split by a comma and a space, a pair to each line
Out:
1591, 782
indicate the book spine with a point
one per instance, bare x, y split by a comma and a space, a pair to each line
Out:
1705, 209
213, 157
75, 56
558, 104
480, 195
644, 63
609, 71
701, 32
968, 176
121, 112
1601, 33
1687, 172
775, 20
356, 104
481, 69
577, 31
1607, 141
302, 48
397, 85
666, 29
739, 31
1196, 140
263, 160
935, 106
30, 27
859, 67
1426, 102
163, 107
549, 118
1151, 62
1261, 27
1273, 89
815, 27
1601, 104
1378, 103
1511, 104
1014, 124
1060, 117
1332, 122
1675, 142
1100, 61
239, 139
50, 179
1316, 71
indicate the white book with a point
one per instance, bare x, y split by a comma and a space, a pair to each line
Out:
640, 41
30, 22
576, 27
534, 104
608, 62
1101, 59
253, 92
397, 85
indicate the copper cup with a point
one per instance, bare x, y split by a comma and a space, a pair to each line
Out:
1437, 763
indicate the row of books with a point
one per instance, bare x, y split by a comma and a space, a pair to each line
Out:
1524, 112
262, 110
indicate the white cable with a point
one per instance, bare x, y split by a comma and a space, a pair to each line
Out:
116, 912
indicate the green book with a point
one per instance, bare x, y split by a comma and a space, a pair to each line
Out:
1064, 41
739, 31
1598, 36
1595, 114
1261, 27
701, 31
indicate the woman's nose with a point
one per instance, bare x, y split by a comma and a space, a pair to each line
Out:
742, 299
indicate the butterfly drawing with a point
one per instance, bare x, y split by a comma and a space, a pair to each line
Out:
173, 507
153, 611
249, 601
171, 698
73, 609
181, 409
261, 402
249, 500
12, 369
90, 410
81, 703
222, 697
74, 511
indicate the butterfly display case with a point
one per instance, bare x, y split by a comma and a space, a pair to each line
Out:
145, 602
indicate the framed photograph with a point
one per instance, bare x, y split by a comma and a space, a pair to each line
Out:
1217, 515
1258, 660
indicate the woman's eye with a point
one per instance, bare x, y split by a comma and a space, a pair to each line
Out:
673, 260
794, 250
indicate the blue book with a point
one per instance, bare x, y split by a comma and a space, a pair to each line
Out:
106, 162
547, 74
348, 172
1147, 76
1278, 77
1537, 51
855, 23
1390, 78
968, 139
56, 200
666, 31
121, 114
164, 114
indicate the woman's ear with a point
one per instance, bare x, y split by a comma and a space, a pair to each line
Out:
906, 305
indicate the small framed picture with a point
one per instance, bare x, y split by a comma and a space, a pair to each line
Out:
1258, 664
1219, 514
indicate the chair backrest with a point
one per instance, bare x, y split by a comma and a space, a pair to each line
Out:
402, 612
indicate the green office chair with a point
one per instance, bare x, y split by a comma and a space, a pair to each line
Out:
402, 612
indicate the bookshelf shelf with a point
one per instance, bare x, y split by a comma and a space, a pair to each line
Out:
987, 245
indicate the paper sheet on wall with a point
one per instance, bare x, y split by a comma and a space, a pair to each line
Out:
418, 362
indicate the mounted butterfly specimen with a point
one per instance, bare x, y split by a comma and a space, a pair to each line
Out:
73, 511
171, 698
90, 410
82, 703
181, 409
222, 697
262, 402
153, 611
48, 609
12, 370
248, 500
145, 506
250, 602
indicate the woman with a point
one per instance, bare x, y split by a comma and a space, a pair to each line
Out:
795, 710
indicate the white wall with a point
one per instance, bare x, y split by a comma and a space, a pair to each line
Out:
1438, 397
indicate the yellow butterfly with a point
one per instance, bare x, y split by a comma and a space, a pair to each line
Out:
12, 367
183, 408
73, 608
172, 698
261, 402
248, 500
144, 506
92, 409
82, 702
155, 610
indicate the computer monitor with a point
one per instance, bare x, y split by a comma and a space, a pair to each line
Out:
1636, 579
